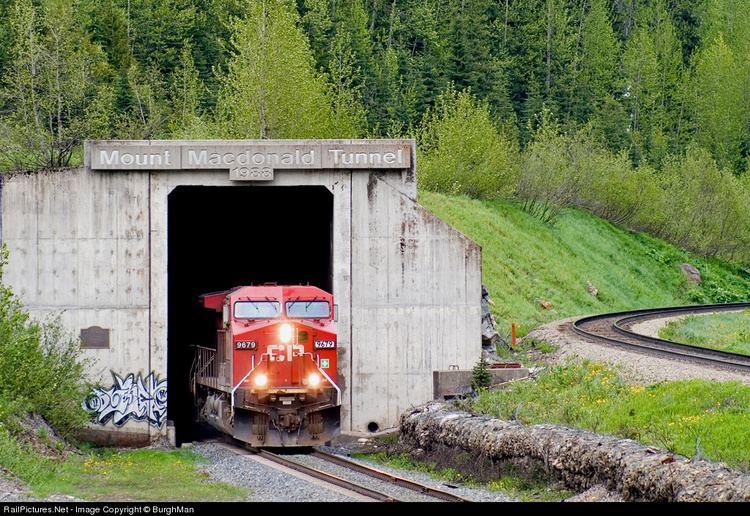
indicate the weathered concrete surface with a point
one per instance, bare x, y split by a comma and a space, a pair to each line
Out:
79, 251
416, 292
91, 247
581, 459
453, 382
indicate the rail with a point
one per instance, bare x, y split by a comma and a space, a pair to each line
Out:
325, 477
388, 477
614, 329
241, 448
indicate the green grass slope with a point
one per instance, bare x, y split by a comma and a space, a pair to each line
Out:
526, 262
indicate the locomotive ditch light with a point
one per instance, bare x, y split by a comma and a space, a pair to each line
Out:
285, 333
261, 380
313, 380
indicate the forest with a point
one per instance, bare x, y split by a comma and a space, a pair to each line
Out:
636, 110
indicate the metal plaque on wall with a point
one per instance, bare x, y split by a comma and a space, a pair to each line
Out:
95, 337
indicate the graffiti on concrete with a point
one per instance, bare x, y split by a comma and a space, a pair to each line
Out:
130, 398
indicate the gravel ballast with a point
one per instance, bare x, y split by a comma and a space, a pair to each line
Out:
267, 484
476, 494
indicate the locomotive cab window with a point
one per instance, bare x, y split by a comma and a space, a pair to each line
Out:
308, 309
256, 309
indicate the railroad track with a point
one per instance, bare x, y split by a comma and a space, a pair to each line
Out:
388, 477
614, 329
345, 484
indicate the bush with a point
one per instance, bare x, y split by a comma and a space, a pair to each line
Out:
691, 201
709, 208
461, 150
40, 367
547, 182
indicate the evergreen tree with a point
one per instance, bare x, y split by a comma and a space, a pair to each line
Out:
687, 18
271, 88
558, 55
526, 36
318, 25
641, 75
157, 29
107, 22
666, 116
719, 93
350, 60
481, 378
596, 75
728, 19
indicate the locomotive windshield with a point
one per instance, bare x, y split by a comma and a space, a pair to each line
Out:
256, 309
308, 309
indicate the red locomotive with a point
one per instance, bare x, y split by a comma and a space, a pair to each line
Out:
271, 378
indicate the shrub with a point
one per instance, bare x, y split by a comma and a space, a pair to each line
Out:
547, 182
461, 150
708, 206
40, 367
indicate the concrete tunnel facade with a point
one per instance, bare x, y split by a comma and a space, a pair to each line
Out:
115, 248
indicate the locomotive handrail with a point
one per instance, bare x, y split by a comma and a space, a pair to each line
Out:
206, 359
234, 389
317, 365
338, 391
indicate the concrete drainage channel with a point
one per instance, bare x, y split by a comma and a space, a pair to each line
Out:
580, 459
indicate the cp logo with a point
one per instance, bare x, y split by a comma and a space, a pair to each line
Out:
285, 352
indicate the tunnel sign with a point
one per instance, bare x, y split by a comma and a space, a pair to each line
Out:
250, 160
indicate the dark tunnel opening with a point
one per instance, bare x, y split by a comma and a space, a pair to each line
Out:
223, 237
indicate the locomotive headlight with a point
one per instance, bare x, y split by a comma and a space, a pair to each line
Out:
261, 380
285, 333
313, 380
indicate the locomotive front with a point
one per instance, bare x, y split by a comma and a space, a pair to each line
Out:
281, 348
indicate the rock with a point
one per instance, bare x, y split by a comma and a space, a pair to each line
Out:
579, 458
598, 493
693, 274
491, 356
417, 454
490, 337
545, 304
592, 289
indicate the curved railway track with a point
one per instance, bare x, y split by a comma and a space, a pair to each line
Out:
615, 329
340, 481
